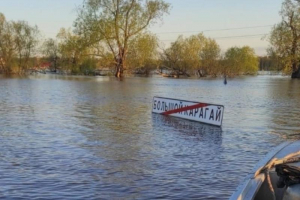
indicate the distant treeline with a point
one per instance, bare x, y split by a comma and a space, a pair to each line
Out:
267, 63
119, 43
115, 36
22, 51
202, 55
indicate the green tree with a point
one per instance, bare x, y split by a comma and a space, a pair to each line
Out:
210, 57
193, 53
116, 22
26, 41
143, 53
18, 43
240, 61
285, 37
51, 51
193, 47
173, 58
7, 45
88, 66
73, 50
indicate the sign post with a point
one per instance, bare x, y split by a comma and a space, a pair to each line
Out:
196, 111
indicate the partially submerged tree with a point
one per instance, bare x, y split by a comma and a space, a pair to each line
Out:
285, 37
73, 50
193, 53
7, 45
51, 51
193, 46
18, 42
26, 40
203, 54
239, 61
210, 57
116, 22
143, 53
172, 58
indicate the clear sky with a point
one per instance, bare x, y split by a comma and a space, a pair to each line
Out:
186, 17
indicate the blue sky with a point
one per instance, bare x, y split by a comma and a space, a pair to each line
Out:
185, 16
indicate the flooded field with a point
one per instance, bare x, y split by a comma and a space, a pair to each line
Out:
96, 138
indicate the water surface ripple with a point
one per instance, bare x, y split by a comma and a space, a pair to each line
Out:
95, 138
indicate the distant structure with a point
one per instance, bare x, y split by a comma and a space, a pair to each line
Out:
225, 81
41, 68
44, 66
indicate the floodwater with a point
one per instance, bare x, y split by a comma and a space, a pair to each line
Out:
96, 138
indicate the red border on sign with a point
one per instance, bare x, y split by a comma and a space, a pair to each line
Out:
199, 105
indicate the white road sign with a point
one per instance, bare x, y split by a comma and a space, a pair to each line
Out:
196, 111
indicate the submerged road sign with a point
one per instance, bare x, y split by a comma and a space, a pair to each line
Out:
196, 111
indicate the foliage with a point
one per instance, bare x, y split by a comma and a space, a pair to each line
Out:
114, 23
194, 53
210, 56
88, 66
142, 53
173, 57
270, 63
17, 45
73, 50
192, 48
51, 51
25, 40
240, 61
7, 46
285, 37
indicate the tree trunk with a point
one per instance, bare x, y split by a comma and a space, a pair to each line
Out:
147, 72
119, 70
55, 64
120, 64
296, 73
200, 73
